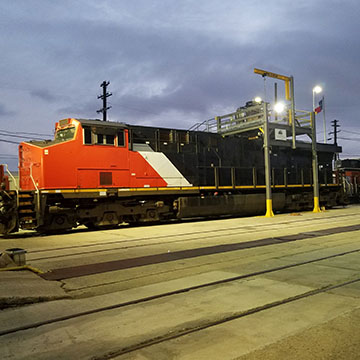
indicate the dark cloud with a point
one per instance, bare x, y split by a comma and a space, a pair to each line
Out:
43, 95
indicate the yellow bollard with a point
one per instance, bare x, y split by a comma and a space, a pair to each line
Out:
316, 205
269, 211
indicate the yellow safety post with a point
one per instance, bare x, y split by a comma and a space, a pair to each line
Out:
316, 205
269, 211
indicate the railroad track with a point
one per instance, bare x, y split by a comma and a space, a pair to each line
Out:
212, 323
95, 268
191, 327
152, 241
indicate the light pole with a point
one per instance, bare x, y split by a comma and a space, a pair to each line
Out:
316, 90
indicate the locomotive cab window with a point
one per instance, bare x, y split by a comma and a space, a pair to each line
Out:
99, 139
87, 136
65, 134
93, 136
109, 139
102, 139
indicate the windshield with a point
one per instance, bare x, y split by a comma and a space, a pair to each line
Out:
65, 134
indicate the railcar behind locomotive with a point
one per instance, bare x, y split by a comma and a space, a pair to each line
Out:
101, 174
348, 170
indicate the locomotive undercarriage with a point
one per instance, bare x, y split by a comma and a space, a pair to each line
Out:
58, 212
8, 212
64, 213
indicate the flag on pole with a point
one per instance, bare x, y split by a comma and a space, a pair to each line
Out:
320, 107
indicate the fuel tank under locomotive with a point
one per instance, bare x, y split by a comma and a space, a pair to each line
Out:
241, 205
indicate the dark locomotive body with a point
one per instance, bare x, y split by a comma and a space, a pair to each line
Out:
209, 159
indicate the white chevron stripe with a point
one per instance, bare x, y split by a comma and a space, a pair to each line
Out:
165, 168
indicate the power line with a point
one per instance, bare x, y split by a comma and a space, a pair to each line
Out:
8, 141
20, 136
23, 132
342, 138
351, 132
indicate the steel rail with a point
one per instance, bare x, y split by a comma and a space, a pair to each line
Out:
247, 229
220, 321
127, 263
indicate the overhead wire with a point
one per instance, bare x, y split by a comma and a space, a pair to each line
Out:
351, 132
346, 139
9, 141
23, 132
21, 136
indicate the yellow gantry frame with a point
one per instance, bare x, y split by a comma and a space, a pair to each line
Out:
287, 80
290, 97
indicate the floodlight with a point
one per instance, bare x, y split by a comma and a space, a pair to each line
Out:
279, 107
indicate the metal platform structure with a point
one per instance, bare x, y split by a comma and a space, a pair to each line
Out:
257, 119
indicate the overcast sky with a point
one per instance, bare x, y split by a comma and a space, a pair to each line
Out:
173, 62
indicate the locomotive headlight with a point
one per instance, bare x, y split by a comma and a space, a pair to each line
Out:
279, 107
258, 99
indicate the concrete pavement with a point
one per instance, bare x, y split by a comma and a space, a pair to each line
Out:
25, 287
104, 334
98, 334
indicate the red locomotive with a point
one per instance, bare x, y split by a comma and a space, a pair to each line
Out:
87, 155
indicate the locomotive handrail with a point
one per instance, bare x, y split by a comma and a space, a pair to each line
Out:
207, 124
236, 121
303, 118
196, 126
12, 176
32, 179
36, 188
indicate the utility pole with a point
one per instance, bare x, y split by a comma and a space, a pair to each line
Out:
104, 95
335, 126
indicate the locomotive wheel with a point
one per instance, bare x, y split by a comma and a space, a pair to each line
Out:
58, 223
